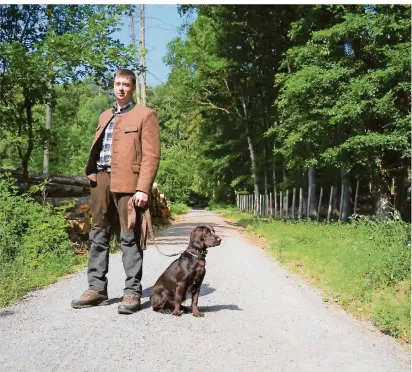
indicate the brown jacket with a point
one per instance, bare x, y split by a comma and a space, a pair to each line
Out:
135, 149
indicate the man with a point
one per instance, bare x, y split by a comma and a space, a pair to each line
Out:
122, 165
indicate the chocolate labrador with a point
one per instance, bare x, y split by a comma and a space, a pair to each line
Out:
184, 275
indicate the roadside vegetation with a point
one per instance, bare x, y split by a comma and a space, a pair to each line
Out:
35, 249
363, 265
178, 209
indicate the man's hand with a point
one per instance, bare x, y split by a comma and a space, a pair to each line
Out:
140, 199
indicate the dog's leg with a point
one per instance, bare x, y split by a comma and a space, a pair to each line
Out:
195, 298
178, 299
195, 309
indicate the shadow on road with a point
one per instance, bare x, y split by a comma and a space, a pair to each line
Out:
215, 308
6, 313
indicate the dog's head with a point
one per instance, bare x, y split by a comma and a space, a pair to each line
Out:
203, 237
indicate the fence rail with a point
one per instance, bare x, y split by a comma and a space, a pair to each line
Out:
295, 203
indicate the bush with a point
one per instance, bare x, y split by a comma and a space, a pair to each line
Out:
34, 244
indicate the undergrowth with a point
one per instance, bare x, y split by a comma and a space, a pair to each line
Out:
35, 248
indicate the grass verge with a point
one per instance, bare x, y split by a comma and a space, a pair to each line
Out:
178, 209
17, 279
364, 265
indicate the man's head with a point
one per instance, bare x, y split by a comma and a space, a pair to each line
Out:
124, 86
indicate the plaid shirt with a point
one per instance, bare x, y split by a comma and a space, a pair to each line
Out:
105, 159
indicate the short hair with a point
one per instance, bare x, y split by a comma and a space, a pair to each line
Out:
126, 72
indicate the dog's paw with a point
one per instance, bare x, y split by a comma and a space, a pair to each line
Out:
165, 311
177, 312
198, 314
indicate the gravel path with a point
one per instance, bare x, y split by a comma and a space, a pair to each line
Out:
258, 318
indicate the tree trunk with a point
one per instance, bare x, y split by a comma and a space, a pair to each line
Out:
382, 197
265, 169
252, 159
402, 204
274, 171
345, 208
26, 156
312, 184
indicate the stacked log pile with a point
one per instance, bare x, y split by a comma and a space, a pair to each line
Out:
59, 191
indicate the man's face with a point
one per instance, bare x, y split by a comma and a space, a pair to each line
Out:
123, 89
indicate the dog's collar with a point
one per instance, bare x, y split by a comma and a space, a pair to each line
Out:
201, 255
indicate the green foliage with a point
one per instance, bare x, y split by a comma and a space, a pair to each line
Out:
43, 46
75, 118
175, 174
348, 90
364, 264
34, 243
178, 209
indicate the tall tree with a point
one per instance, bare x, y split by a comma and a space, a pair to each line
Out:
43, 45
348, 95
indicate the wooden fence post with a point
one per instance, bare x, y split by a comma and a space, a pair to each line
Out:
251, 203
280, 205
356, 196
276, 203
320, 203
287, 204
308, 203
341, 201
330, 202
270, 205
293, 202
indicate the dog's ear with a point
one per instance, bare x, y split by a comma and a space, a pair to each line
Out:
196, 238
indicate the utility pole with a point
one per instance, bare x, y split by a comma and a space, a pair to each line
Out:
48, 106
48, 127
143, 55
135, 55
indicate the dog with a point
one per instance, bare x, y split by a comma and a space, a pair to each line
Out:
184, 275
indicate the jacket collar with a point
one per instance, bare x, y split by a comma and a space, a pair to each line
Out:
124, 109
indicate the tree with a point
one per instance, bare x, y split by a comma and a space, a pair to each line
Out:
348, 95
44, 45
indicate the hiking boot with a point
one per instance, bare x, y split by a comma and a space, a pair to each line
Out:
130, 304
91, 298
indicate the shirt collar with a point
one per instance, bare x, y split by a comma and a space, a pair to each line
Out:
125, 108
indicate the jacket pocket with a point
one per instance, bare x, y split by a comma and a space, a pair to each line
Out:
131, 128
136, 168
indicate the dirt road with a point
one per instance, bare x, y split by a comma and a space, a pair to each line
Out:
258, 317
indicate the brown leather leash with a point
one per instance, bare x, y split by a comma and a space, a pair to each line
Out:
146, 219
151, 233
